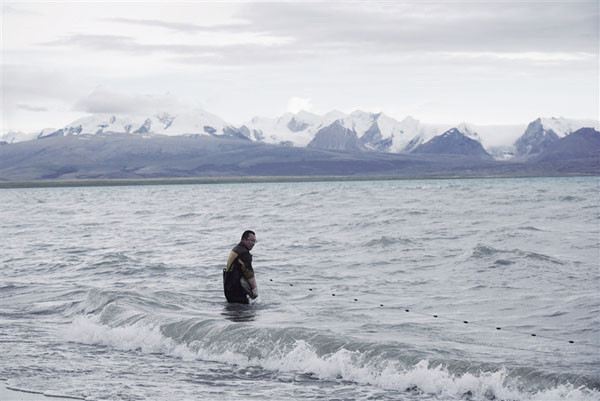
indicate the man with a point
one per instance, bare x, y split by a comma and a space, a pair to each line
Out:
238, 277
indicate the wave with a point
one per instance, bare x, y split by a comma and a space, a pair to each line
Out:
34, 393
143, 212
570, 198
386, 241
190, 215
529, 228
118, 263
483, 251
113, 306
12, 287
319, 355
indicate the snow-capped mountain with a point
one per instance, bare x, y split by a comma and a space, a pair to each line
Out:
382, 133
375, 131
289, 129
581, 144
357, 131
461, 141
337, 137
541, 133
468, 131
18, 136
192, 122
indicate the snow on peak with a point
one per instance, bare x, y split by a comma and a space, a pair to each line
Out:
563, 126
468, 131
193, 121
290, 128
414, 133
307, 116
101, 123
18, 136
359, 121
332, 116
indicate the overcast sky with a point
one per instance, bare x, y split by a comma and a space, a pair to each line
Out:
440, 62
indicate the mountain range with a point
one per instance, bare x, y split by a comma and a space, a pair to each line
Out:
197, 143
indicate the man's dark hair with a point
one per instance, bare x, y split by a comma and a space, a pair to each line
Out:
247, 233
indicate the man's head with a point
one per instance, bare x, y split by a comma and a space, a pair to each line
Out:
249, 239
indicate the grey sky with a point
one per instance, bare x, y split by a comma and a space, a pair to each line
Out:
481, 62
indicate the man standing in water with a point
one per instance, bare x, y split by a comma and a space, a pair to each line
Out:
238, 276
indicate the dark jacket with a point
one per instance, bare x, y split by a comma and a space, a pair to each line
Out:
239, 265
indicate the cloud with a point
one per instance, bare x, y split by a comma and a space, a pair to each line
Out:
530, 56
179, 26
338, 54
22, 83
9, 8
432, 26
28, 107
105, 101
297, 104
235, 52
290, 32
102, 43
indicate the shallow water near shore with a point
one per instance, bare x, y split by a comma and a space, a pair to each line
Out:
481, 289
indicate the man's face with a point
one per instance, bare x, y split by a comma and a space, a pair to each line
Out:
250, 241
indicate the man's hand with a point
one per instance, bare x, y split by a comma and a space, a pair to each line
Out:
254, 292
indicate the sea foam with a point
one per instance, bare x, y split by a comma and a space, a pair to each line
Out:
425, 378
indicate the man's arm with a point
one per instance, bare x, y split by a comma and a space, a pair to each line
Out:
252, 282
248, 273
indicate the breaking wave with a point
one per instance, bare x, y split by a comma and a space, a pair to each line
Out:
319, 355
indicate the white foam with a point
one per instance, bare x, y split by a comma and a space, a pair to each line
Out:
302, 357
138, 336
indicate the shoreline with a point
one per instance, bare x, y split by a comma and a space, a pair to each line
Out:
9, 394
258, 179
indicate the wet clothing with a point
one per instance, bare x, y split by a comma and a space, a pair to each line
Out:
239, 266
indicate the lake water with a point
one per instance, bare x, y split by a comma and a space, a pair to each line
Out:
115, 293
